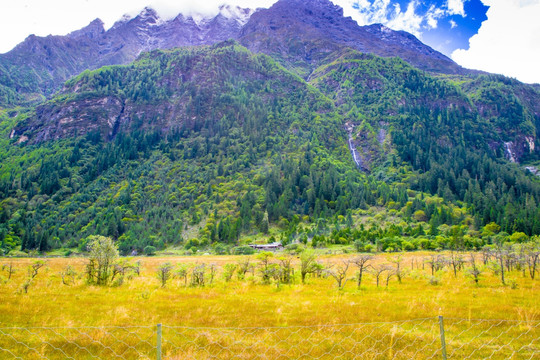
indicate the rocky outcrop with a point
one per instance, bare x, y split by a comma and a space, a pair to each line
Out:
54, 121
515, 150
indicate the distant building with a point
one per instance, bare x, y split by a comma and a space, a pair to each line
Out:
270, 247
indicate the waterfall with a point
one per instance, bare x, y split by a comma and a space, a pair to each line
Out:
353, 152
509, 153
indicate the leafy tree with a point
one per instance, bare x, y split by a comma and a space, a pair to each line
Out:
103, 253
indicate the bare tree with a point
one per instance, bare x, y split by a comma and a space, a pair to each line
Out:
397, 270
198, 274
68, 275
361, 263
136, 267
390, 271
500, 254
212, 270
34, 268
33, 271
117, 270
339, 272
164, 273
456, 260
510, 259
436, 262
182, 273
122, 268
474, 271
520, 258
532, 253
10, 269
486, 254
377, 271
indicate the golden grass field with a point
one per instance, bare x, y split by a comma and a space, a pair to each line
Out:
290, 314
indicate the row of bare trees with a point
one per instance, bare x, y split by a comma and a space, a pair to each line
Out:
280, 269
32, 272
364, 264
199, 275
103, 267
499, 258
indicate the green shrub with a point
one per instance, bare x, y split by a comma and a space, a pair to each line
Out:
243, 250
149, 250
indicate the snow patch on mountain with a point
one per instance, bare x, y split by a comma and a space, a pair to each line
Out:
237, 13
157, 15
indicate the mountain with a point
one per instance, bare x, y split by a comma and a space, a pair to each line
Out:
213, 146
204, 146
299, 34
39, 66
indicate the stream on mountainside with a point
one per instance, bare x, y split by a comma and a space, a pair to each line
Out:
356, 158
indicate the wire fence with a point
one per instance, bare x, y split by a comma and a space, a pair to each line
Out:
430, 338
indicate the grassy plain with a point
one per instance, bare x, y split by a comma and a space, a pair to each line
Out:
248, 303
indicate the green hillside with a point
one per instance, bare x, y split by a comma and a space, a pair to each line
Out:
215, 146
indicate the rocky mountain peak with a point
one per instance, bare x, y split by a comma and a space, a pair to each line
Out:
123, 20
319, 27
241, 15
92, 30
314, 5
309, 10
149, 16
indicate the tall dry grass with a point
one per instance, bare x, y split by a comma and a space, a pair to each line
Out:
248, 303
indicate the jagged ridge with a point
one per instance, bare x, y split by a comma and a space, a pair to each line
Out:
299, 33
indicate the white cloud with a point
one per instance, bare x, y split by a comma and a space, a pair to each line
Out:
453, 24
456, 7
433, 15
392, 15
169, 9
385, 12
508, 42
408, 20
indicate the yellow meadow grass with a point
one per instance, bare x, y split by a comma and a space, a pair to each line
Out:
141, 301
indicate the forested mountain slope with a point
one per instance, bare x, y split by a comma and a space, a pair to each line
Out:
207, 145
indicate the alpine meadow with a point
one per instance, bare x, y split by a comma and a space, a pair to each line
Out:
276, 183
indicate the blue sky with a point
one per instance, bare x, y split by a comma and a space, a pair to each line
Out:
499, 36
442, 24
453, 31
